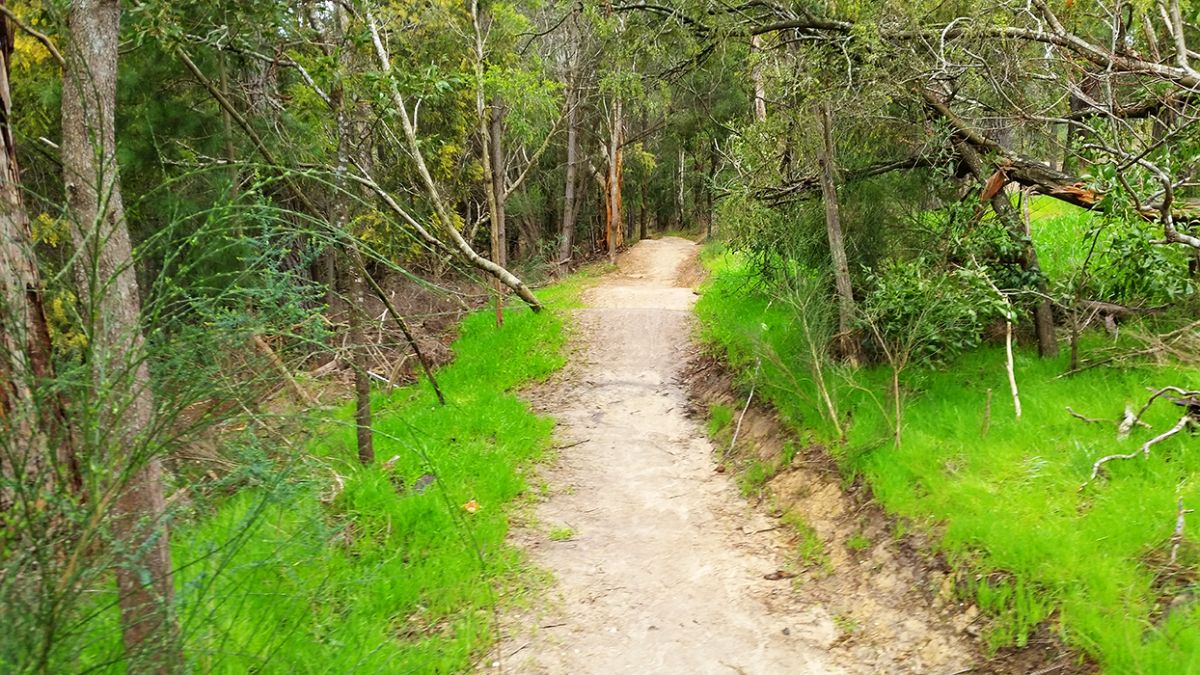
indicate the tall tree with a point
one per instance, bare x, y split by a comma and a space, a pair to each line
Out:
111, 303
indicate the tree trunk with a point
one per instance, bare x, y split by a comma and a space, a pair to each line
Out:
354, 288
1043, 313
679, 189
760, 91
112, 304
567, 229
352, 282
492, 125
614, 226
28, 427
837, 246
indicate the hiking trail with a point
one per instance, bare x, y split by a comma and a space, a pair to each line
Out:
667, 569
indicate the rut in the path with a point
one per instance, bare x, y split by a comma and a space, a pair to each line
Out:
666, 569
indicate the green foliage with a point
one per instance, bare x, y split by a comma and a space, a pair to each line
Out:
1007, 508
810, 550
858, 542
753, 477
328, 565
1108, 257
932, 314
719, 418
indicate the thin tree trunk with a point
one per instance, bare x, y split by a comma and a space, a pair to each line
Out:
112, 304
613, 225
679, 188
567, 229
1043, 311
760, 90
351, 273
492, 127
837, 246
1043, 314
353, 284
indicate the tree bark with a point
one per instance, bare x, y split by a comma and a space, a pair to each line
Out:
491, 129
28, 427
837, 246
760, 90
353, 286
567, 229
614, 226
351, 273
112, 305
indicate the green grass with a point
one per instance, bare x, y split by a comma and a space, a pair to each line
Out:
1007, 507
336, 567
1059, 231
564, 533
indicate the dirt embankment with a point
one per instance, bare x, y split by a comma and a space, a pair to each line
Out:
898, 602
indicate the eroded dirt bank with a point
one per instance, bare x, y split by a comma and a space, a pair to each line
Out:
659, 564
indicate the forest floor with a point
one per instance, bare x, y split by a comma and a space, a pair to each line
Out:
659, 563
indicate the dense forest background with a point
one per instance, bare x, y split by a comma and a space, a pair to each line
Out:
219, 218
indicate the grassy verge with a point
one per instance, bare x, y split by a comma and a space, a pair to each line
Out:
1002, 497
396, 567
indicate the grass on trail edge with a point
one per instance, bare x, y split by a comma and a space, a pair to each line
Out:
1005, 506
397, 567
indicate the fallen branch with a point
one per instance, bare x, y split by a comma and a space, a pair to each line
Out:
282, 369
1177, 536
1089, 420
1160, 392
1012, 375
737, 429
1179, 426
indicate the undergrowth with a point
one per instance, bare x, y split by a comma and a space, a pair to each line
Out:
329, 566
1003, 497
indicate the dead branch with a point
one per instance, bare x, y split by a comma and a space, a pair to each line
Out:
1179, 426
1177, 536
282, 369
1160, 392
1089, 420
737, 429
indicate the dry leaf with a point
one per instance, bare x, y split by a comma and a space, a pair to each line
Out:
471, 506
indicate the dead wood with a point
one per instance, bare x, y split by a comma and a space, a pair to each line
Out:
1190, 400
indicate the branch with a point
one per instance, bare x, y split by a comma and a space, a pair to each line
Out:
35, 34
443, 213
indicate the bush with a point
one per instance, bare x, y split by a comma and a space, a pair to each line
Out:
930, 313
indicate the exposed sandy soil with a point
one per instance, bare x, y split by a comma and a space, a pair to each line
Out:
668, 569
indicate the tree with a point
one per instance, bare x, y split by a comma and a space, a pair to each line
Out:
111, 303
837, 246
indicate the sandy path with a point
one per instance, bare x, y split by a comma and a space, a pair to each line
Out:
665, 571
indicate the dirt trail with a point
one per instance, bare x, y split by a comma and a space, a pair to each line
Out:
667, 567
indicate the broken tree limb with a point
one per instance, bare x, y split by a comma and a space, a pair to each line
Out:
282, 369
1089, 420
1179, 426
1012, 375
737, 429
444, 215
1177, 535
1161, 392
